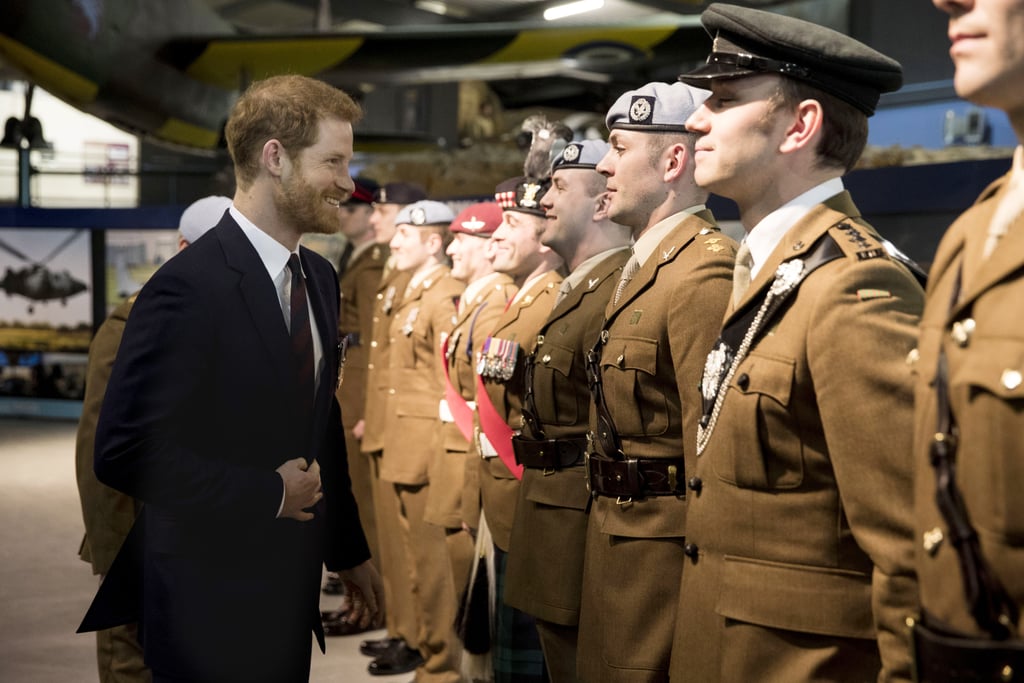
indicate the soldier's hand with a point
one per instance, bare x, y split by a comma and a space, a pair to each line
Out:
301, 488
358, 429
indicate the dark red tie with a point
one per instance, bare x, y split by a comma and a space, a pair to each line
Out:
302, 335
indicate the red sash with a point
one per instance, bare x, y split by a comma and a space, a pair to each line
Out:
458, 406
496, 429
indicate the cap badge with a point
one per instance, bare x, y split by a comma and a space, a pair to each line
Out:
641, 108
474, 224
571, 153
419, 216
383, 194
530, 191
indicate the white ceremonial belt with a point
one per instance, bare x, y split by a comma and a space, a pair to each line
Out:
444, 411
486, 449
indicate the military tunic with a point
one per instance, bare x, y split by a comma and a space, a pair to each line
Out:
658, 336
799, 552
518, 324
545, 563
982, 336
108, 514
355, 326
402, 619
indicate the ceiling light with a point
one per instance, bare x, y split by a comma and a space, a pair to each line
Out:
570, 8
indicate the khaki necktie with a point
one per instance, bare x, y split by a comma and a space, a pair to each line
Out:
628, 271
741, 273
1008, 211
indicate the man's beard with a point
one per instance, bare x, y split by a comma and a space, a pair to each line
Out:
306, 208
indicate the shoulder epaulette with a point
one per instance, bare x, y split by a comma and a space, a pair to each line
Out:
857, 243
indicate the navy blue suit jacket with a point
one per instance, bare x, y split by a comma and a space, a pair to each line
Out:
201, 408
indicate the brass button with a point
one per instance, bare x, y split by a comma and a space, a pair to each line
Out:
1011, 379
962, 330
913, 357
546, 358
932, 540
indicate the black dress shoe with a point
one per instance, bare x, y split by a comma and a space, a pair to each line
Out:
375, 648
399, 660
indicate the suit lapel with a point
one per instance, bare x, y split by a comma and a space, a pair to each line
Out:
260, 296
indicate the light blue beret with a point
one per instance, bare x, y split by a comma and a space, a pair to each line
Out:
656, 108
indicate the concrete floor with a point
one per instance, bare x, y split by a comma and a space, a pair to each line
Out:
44, 587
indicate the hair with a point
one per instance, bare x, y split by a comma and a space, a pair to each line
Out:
284, 108
446, 238
844, 131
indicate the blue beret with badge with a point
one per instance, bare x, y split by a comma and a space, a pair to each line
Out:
425, 212
656, 108
748, 42
583, 154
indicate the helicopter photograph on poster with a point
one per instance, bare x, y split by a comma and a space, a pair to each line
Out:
44, 280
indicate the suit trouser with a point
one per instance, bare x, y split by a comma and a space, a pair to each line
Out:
461, 553
559, 644
401, 612
119, 656
434, 591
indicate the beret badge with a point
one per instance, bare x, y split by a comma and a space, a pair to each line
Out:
641, 108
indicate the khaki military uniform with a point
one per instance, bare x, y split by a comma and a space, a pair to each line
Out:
401, 616
545, 561
658, 336
411, 435
455, 499
799, 552
499, 488
355, 321
982, 336
108, 514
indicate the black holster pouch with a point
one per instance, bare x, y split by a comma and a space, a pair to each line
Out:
942, 655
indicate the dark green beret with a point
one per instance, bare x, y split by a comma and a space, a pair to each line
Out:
749, 41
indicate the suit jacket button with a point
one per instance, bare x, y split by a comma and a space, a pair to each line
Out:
691, 551
695, 484
743, 381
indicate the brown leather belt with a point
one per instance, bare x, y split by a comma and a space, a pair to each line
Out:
632, 478
549, 454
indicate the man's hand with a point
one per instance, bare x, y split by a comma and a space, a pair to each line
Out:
365, 594
358, 429
301, 488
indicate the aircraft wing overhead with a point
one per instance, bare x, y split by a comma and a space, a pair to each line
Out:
397, 56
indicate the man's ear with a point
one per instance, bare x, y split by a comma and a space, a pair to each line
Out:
275, 158
601, 208
675, 158
803, 130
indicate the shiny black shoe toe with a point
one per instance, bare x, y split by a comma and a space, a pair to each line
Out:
399, 660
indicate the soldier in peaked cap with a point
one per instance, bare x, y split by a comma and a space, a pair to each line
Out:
970, 357
545, 561
799, 556
359, 268
411, 435
659, 322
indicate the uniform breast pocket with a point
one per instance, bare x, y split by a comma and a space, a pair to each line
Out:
553, 394
759, 444
635, 394
987, 391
